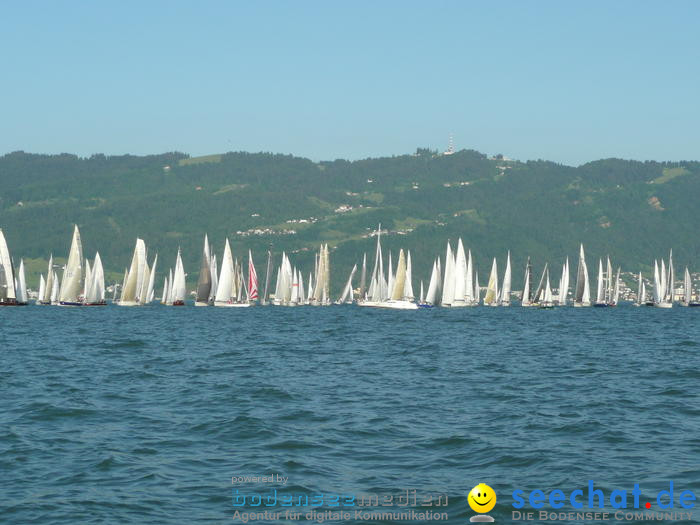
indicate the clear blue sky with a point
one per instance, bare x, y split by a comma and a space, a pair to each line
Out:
565, 81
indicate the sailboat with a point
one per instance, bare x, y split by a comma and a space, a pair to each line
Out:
641, 292
402, 293
227, 289
472, 297
607, 287
178, 287
547, 299
139, 279
166, 288
539, 295
95, 284
363, 278
55, 288
321, 295
204, 282
688, 290
378, 291
42, 288
491, 297
252, 280
459, 298
8, 296
663, 284
564, 284
430, 299
45, 294
448, 283
346, 295
582, 294
504, 298
21, 285
527, 297
72, 283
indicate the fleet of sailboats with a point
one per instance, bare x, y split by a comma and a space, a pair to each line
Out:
453, 282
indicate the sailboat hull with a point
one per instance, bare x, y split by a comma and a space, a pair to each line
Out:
8, 302
399, 305
201, 303
69, 303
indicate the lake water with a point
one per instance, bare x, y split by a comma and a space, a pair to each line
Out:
144, 415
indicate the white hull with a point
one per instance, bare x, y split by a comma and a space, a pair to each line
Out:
399, 305
127, 303
581, 305
663, 305
232, 305
199, 303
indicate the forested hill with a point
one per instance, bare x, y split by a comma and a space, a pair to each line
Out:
635, 211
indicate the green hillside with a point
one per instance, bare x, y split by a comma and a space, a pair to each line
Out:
635, 211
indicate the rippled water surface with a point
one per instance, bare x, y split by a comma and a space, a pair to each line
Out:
143, 415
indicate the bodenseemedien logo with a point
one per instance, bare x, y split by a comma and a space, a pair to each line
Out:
482, 499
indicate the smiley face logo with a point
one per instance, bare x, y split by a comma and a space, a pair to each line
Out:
482, 498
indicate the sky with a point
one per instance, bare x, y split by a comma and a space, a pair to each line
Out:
564, 81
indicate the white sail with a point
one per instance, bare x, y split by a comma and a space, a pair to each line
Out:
7, 278
616, 288
491, 297
470, 294
346, 296
400, 280
505, 290
21, 284
204, 280
448, 284
98, 278
363, 278
687, 287
42, 288
72, 281
130, 289
582, 294
150, 290
408, 284
214, 278
225, 281
564, 283
166, 291
600, 294
55, 289
46, 298
431, 295
390, 277
671, 287
460, 276
87, 281
179, 286
547, 299
143, 292
657, 283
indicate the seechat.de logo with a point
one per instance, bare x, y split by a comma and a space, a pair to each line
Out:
482, 499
